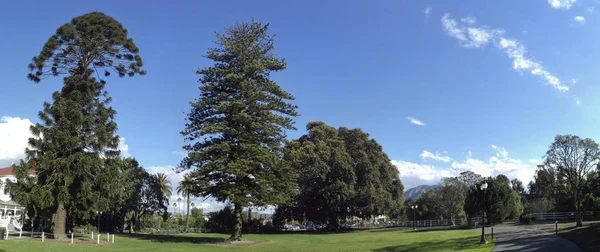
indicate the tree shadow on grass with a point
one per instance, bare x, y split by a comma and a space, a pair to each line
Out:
456, 244
177, 238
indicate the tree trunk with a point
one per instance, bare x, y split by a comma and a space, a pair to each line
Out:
452, 220
60, 221
578, 213
187, 216
237, 227
333, 222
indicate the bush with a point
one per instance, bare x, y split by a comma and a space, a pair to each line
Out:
526, 218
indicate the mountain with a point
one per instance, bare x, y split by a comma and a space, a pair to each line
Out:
415, 192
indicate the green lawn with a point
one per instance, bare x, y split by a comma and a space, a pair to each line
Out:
377, 241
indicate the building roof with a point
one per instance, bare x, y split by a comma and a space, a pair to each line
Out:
9, 171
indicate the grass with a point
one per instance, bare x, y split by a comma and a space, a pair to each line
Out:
380, 241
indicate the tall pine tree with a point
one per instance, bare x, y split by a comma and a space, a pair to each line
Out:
77, 130
236, 129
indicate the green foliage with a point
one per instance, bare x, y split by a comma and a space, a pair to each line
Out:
91, 40
235, 130
452, 200
163, 184
429, 206
343, 173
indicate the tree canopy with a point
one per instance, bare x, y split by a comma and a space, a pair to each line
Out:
342, 173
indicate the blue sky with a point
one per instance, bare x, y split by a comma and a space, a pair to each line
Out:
487, 79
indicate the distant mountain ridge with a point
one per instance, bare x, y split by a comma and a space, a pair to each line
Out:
415, 192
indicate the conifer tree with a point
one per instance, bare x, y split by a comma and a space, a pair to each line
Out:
76, 134
236, 129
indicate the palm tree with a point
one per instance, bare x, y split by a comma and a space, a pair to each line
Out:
185, 188
164, 183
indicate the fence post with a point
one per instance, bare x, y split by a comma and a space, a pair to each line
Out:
42, 236
98, 238
92, 235
6, 234
113, 240
20, 232
72, 234
107, 237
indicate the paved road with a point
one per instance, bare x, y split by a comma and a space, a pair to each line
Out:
518, 239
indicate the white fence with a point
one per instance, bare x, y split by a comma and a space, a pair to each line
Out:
71, 238
562, 216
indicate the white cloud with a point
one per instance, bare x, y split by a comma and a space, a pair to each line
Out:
469, 154
579, 19
414, 174
516, 51
415, 121
427, 12
14, 136
469, 35
123, 147
469, 20
534, 161
561, 4
591, 9
437, 157
472, 36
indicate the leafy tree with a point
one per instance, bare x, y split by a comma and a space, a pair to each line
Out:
327, 178
452, 200
78, 128
430, 205
186, 188
236, 129
198, 215
573, 158
342, 173
378, 186
469, 178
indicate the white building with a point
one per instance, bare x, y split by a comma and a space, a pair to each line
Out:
11, 213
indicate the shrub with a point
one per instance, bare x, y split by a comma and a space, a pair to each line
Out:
526, 218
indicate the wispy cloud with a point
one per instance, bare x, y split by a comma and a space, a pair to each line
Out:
427, 12
579, 19
470, 35
561, 4
435, 156
415, 121
591, 9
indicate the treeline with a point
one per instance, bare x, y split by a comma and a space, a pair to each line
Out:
121, 194
567, 181
462, 197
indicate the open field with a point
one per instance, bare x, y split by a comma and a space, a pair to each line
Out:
377, 241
